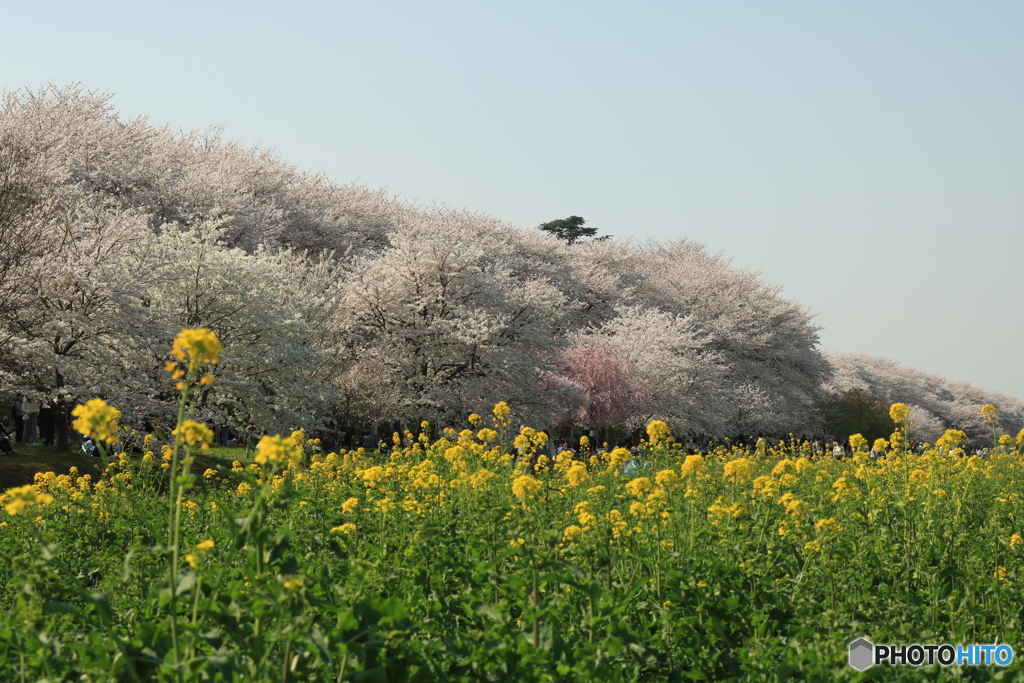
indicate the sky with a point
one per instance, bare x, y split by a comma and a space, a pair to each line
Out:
867, 157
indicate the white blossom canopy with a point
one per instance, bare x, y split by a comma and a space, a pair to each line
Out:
337, 301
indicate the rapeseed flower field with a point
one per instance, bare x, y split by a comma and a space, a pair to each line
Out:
475, 555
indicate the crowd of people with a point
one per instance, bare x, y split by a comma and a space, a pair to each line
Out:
29, 423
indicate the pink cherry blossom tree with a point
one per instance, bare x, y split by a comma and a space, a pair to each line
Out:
614, 395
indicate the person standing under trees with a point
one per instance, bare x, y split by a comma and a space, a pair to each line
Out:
17, 413
30, 414
47, 418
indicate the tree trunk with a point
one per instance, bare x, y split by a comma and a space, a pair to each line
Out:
60, 415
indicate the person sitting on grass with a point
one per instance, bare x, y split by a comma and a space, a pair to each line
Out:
5, 437
89, 447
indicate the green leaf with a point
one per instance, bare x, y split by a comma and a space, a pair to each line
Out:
186, 580
58, 607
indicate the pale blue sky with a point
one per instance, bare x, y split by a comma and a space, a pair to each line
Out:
867, 156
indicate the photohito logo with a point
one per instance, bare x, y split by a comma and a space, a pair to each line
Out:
865, 654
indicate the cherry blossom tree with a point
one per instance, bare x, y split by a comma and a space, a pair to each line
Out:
339, 299
613, 394
77, 325
267, 375
670, 359
938, 403
452, 320
766, 344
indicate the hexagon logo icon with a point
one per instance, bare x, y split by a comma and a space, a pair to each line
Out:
862, 654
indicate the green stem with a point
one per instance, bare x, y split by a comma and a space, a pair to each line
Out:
173, 525
287, 656
534, 599
21, 659
190, 651
341, 671
195, 603
657, 566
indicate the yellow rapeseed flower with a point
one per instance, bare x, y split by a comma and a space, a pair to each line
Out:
666, 478
350, 505
950, 440
197, 346
639, 487
843, 488
797, 507
899, 412
501, 412
721, 509
793, 505
783, 467
694, 464
278, 450
765, 487
195, 434
97, 420
738, 470
658, 434
525, 487
195, 557
295, 583
16, 500
826, 526
577, 474
618, 523
487, 435
617, 458
372, 476
858, 442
